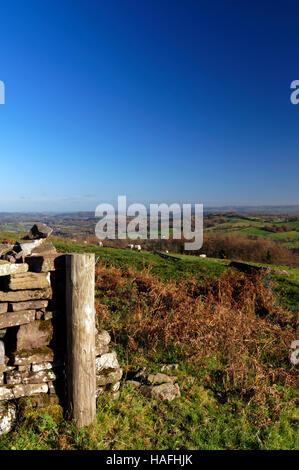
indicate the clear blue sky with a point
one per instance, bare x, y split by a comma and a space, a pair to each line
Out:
170, 101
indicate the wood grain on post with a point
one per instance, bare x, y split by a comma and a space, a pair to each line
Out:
81, 372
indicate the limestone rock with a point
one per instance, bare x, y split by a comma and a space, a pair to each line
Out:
165, 392
16, 318
102, 338
8, 414
29, 305
40, 231
28, 281
45, 262
39, 377
3, 307
6, 393
160, 378
25, 247
29, 389
5, 247
34, 335
169, 367
2, 333
44, 249
107, 362
6, 268
22, 358
21, 296
110, 378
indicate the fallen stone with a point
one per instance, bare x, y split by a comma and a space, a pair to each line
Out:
40, 230
28, 281
107, 362
8, 415
165, 392
110, 378
21, 296
16, 318
31, 304
3, 307
160, 378
169, 367
34, 335
6, 268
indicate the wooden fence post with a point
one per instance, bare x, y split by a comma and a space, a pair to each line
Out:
80, 314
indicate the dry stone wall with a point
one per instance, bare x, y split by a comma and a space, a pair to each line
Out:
33, 331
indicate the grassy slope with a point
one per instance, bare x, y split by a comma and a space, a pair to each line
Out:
199, 419
287, 288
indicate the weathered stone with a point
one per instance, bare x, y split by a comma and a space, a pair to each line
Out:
10, 256
34, 335
23, 295
114, 387
24, 368
29, 389
2, 333
3, 307
159, 378
30, 305
101, 350
44, 249
5, 367
22, 358
40, 230
46, 262
39, 377
50, 315
47, 365
1, 379
100, 391
16, 318
165, 392
6, 268
110, 378
102, 338
28, 281
13, 377
107, 362
4, 247
8, 415
6, 393
25, 247
169, 367
2, 353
